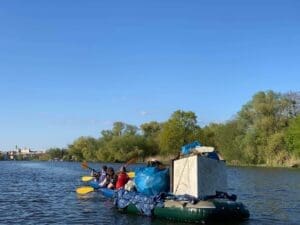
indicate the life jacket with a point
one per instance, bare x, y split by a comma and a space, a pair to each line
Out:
122, 180
102, 176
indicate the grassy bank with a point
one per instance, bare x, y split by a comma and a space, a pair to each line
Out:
291, 163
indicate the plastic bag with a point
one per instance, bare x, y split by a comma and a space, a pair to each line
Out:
151, 180
186, 149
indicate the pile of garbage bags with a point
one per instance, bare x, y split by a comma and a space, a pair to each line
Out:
151, 180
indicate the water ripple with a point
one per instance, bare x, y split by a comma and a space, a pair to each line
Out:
44, 193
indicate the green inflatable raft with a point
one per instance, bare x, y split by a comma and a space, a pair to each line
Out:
212, 210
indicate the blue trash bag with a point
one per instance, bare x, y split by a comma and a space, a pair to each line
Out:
188, 147
151, 180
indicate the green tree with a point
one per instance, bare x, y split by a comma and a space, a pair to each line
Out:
265, 130
55, 153
121, 143
118, 128
151, 132
130, 129
267, 114
208, 134
276, 152
84, 148
227, 141
122, 148
179, 130
151, 129
106, 135
292, 136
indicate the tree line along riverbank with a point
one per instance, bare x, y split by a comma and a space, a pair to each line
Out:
266, 131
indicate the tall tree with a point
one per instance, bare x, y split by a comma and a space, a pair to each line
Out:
227, 141
130, 129
180, 129
55, 153
151, 129
84, 148
118, 128
261, 118
292, 137
151, 132
106, 135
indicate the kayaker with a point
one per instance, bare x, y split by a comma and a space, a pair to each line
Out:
155, 163
110, 179
96, 175
102, 174
122, 178
99, 176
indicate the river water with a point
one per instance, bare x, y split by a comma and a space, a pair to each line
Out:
44, 193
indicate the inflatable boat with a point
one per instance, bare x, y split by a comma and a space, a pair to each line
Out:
193, 189
177, 208
216, 209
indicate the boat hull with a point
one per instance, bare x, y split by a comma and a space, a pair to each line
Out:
222, 210
109, 193
214, 209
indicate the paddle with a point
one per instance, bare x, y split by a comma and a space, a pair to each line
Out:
131, 174
130, 161
84, 190
87, 178
84, 165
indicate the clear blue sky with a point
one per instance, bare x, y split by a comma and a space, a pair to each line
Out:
72, 68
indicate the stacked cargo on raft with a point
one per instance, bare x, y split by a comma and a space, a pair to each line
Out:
199, 173
193, 189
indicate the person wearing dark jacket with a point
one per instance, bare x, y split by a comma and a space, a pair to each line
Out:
111, 178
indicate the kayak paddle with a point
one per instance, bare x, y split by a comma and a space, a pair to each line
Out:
133, 160
85, 165
84, 190
131, 174
87, 178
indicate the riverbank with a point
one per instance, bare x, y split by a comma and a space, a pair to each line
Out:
167, 162
292, 163
288, 164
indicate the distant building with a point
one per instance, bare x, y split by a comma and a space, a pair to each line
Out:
12, 155
25, 151
22, 153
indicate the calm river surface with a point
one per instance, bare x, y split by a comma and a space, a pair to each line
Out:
44, 193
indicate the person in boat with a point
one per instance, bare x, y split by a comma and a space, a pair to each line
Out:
155, 163
110, 179
96, 175
99, 176
102, 174
122, 178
